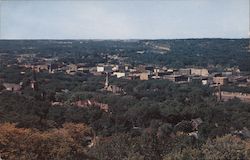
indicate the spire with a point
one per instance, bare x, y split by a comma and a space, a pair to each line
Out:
107, 80
33, 81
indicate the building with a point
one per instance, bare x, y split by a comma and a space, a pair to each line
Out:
199, 72
143, 68
114, 89
176, 78
144, 76
132, 77
226, 74
12, 87
220, 80
41, 67
83, 70
104, 68
156, 70
119, 74
225, 96
115, 68
111, 88
184, 71
52, 67
204, 81
149, 68
71, 69
91, 103
240, 79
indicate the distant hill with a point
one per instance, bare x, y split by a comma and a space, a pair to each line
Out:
174, 53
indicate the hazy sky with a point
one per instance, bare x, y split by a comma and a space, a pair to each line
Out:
123, 19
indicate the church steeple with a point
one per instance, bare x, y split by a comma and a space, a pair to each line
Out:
107, 80
34, 85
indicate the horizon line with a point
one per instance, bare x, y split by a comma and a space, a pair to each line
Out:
116, 39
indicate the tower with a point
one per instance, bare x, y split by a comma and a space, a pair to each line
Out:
107, 80
34, 85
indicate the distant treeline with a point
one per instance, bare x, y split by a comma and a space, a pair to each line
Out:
172, 53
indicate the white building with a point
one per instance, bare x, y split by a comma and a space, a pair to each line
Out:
103, 68
119, 74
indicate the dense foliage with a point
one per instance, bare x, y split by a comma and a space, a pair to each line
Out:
151, 121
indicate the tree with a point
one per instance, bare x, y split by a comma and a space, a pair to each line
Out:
226, 147
68, 142
185, 154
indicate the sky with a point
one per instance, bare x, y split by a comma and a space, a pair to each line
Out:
123, 19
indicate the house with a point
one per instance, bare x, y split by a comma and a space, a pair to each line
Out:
12, 87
